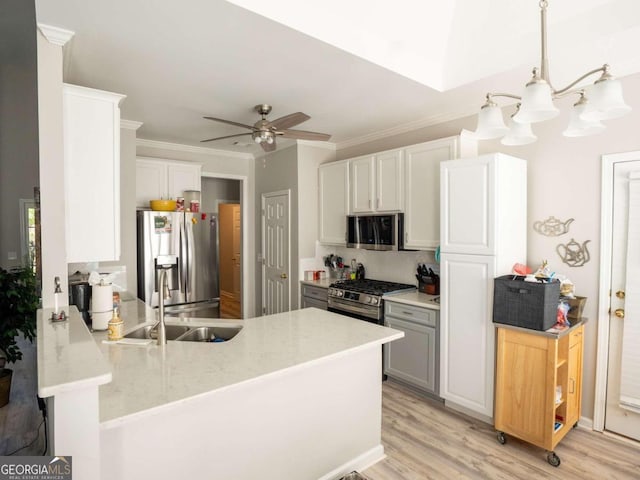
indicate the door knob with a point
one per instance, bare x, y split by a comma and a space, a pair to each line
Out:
283, 275
619, 312
620, 294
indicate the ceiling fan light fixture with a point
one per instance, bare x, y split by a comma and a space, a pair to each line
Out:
257, 138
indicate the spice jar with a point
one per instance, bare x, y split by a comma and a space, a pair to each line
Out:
115, 327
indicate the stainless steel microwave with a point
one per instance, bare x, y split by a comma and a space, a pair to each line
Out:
376, 232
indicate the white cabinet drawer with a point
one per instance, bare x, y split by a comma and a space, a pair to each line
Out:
423, 316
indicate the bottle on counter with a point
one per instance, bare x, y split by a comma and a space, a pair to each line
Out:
115, 327
352, 272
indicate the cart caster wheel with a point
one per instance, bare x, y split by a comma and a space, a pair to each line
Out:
553, 459
575, 425
502, 439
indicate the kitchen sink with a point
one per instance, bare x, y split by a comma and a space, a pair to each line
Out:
148, 331
210, 334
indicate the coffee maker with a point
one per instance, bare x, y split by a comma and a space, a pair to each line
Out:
80, 295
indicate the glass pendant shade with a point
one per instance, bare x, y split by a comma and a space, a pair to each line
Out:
490, 123
605, 101
519, 134
537, 103
578, 126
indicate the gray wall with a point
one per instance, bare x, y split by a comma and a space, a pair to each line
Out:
18, 119
213, 189
564, 177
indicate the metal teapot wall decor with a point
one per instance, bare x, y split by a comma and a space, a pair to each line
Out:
573, 253
552, 227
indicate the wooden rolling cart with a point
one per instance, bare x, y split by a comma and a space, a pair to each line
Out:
538, 385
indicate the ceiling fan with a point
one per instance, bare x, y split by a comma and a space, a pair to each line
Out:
264, 132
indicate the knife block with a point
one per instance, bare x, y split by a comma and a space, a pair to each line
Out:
430, 288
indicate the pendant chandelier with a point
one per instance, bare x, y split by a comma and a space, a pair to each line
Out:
600, 101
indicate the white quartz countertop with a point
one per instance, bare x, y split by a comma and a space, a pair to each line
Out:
148, 378
68, 357
324, 283
415, 298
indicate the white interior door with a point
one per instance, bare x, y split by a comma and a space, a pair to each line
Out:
622, 414
276, 254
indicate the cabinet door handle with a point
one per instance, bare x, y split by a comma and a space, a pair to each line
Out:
573, 386
369, 204
377, 203
407, 313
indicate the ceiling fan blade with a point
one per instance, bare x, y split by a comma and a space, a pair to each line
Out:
228, 136
289, 120
268, 147
303, 135
230, 122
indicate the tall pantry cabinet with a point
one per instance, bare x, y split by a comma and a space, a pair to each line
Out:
483, 228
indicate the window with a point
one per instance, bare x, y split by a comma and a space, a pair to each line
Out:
28, 232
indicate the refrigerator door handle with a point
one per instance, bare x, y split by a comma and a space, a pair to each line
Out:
189, 257
183, 258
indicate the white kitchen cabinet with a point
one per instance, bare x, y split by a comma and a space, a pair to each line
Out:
422, 191
483, 207
389, 181
157, 178
483, 234
333, 179
376, 182
414, 358
466, 331
363, 184
91, 124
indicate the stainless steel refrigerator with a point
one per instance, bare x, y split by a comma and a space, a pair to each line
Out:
190, 242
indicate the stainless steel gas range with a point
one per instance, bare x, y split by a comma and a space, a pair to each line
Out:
363, 298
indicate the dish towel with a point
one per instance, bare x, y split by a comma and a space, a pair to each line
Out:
630, 366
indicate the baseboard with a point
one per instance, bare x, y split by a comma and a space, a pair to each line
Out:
359, 464
585, 423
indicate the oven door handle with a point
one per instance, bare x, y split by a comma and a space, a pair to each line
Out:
349, 308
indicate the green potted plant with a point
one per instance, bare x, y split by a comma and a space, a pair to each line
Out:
19, 302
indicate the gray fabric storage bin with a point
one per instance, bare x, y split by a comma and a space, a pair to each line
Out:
525, 304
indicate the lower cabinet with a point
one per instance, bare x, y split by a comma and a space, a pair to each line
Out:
538, 386
313, 296
414, 358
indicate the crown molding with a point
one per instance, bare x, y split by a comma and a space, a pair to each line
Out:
313, 143
178, 147
55, 35
407, 127
130, 124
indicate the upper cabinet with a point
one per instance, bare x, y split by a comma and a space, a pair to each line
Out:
333, 186
401, 180
483, 207
422, 191
157, 178
376, 182
91, 121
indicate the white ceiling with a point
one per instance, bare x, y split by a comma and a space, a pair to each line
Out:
410, 62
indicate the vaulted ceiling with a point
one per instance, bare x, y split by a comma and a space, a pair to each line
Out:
355, 67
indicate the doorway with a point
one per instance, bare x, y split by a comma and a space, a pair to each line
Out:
617, 406
229, 220
225, 197
276, 251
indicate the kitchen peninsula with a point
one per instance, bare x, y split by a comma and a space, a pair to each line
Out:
293, 395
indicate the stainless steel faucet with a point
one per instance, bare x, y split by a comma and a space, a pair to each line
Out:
163, 293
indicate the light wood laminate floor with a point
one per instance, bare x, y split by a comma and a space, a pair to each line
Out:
425, 440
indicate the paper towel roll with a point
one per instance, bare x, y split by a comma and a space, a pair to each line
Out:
100, 320
102, 298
